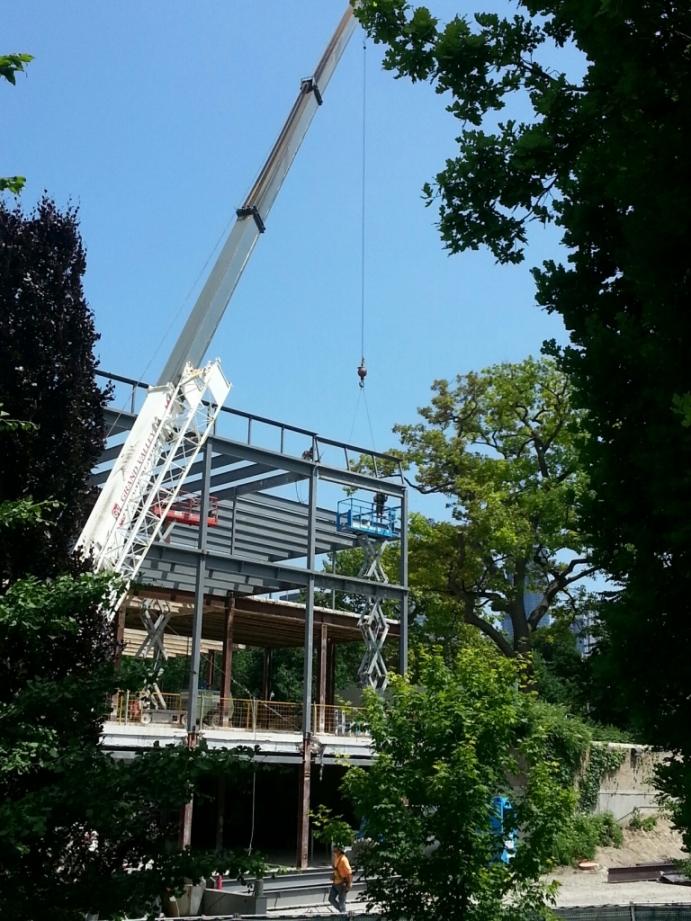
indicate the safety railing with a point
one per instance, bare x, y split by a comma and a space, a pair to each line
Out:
339, 721
146, 707
252, 715
259, 431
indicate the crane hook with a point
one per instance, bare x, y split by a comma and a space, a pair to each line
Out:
362, 372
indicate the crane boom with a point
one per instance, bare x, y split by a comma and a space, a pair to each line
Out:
179, 413
211, 304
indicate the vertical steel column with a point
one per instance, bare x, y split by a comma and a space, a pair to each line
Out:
266, 677
331, 673
306, 768
309, 605
185, 838
227, 663
199, 596
210, 668
403, 625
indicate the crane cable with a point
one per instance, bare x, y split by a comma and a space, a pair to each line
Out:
362, 370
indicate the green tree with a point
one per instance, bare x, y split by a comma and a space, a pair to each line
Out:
444, 750
10, 65
501, 447
74, 821
47, 377
603, 157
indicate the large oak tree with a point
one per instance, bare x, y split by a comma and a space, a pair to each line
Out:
605, 157
500, 445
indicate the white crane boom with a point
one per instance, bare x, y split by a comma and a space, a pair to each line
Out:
178, 414
211, 304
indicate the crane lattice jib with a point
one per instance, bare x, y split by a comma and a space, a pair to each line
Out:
174, 422
161, 447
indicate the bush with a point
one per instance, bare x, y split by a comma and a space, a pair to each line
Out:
638, 823
584, 834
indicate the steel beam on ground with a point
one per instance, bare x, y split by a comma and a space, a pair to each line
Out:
640, 872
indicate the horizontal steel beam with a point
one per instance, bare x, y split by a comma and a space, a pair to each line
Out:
122, 421
275, 573
255, 486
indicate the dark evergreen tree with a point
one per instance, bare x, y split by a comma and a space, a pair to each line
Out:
74, 821
47, 366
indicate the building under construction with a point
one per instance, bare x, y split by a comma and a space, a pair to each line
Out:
212, 516
217, 580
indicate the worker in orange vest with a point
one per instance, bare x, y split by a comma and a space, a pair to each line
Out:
342, 880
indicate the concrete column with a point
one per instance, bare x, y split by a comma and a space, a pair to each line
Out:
304, 806
227, 661
186, 812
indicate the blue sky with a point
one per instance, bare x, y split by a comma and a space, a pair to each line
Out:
156, 117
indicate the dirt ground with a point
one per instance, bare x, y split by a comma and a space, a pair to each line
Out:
590, 887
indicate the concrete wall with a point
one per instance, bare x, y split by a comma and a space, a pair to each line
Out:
630, 787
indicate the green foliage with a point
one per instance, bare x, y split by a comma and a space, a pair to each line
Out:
562, 674
10, 65
604, 157
566, 739
331, 829
444, 749
57, 786
638, 823
583, 834
501, 446
47, 378
74, 821
602, 760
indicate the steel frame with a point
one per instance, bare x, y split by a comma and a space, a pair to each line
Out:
264, 541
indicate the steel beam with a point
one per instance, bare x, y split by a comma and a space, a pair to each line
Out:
275, 460
275, 576
268, 482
